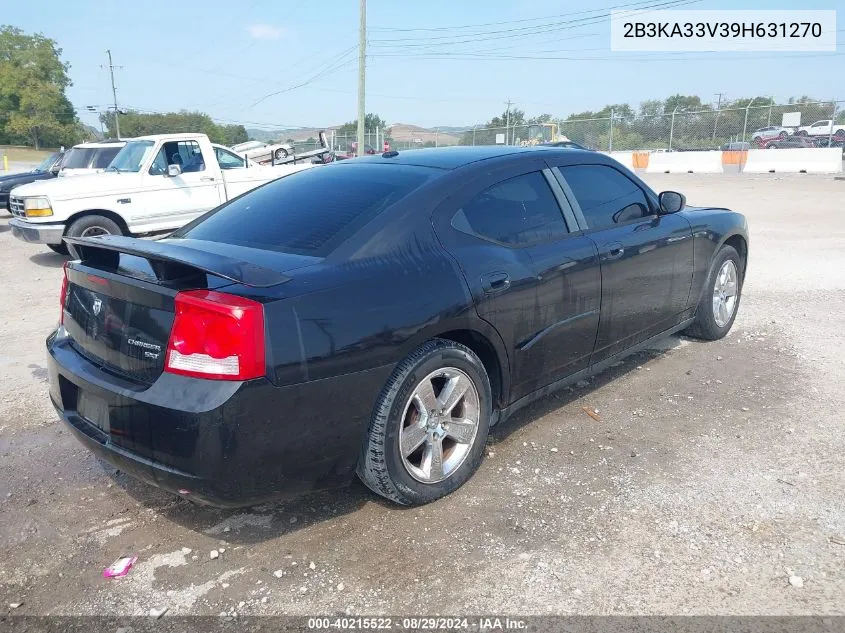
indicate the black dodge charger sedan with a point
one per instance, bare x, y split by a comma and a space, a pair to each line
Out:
376, 316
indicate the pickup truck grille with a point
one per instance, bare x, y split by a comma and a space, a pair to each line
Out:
16, 207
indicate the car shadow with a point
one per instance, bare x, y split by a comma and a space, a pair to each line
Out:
249, 525
567, 395
49, 259
4, 228
273, 520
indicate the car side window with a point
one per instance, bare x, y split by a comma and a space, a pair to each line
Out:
606, 196
186, 154
228, 160
516, 211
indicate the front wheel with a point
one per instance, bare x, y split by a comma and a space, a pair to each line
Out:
91, 226
429, 426
720, 299
280, 153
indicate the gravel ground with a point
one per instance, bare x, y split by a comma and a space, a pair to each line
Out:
712, 484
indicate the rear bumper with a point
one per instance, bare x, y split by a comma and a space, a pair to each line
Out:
37, 233
222, 443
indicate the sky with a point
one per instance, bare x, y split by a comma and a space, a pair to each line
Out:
228, 59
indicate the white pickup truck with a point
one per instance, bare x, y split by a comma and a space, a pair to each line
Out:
155, 183
822, 128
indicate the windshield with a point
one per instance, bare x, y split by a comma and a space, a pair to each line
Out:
132, 156
78, 158
48, 162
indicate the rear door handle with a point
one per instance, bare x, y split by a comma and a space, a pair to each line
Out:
615, 250
495, 282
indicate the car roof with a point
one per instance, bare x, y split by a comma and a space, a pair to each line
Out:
458, 156
170, 137
99, 144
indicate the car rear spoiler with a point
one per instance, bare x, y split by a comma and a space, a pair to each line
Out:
171, 261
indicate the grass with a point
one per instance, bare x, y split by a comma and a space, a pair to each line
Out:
24, 154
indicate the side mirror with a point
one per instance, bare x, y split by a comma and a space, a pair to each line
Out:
175, 170
671, 202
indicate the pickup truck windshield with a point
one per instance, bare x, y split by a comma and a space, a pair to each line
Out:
132, 157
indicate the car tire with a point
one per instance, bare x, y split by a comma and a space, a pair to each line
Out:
280, 154
712, 322
61, 249
772, 146
408, 474
91, 226
801, 133
783, 134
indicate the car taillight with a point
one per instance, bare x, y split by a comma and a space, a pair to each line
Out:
63, 296
216, 335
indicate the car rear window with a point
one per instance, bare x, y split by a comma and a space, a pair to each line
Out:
309, 212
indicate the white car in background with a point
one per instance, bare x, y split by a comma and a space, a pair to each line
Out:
770, 132
822, 128
90, 158
260, 152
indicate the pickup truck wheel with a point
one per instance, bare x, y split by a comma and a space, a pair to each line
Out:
61, 249
280, 153
720, 298
91, 226
840, 134
429, 426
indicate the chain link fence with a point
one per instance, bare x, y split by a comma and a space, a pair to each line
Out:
677, 130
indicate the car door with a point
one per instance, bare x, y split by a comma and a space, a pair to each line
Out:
536, 282
175, 200
646, 258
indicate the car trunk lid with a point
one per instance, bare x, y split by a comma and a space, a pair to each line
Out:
119, 303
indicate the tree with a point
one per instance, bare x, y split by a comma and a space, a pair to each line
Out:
33, 80
372, 122
134, 123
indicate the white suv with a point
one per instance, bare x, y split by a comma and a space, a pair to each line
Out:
90, 158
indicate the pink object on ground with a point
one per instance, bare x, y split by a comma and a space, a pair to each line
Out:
120, 567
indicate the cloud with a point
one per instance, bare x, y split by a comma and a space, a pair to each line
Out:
265, 32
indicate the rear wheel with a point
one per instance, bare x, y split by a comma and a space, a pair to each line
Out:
91, 226
429, 425
720, 300
783, 134
280, 154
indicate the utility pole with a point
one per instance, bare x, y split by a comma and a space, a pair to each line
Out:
718, 110
508, 122
114, 94
362, 62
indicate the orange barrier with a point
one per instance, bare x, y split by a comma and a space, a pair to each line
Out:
735, 157
640, 160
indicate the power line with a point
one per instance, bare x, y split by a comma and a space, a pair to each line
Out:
547, 17
526, 31
330, 68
